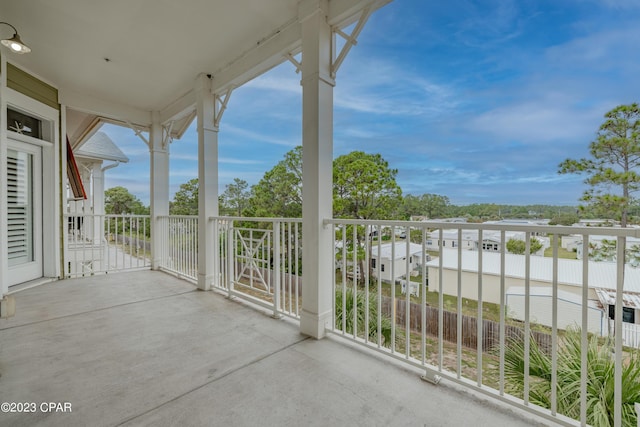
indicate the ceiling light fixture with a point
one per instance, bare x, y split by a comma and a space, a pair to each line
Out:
14, 43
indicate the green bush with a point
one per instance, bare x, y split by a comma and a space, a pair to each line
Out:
361, 306
600, 378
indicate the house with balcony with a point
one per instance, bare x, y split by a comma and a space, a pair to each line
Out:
209, 319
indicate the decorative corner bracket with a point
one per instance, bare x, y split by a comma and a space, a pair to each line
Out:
295, 62
220, 102
138, 132
350, 40
166, 135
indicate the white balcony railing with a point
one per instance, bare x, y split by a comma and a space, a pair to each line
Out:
424, 294
261, 261
467, 305
256, 259
179, 249
105, 243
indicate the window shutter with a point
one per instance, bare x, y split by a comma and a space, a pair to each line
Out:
19, 212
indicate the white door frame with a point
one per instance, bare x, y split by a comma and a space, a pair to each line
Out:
49, 235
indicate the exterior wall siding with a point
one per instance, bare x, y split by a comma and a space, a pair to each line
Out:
540, 308
490, 285
28, 85
569, 313
399, 267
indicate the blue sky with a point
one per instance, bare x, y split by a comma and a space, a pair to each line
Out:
478, 101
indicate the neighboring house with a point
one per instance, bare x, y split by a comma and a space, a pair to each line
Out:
90, 157
390, 271
85, 234
521, 222
573, 242
469, 240
602, 275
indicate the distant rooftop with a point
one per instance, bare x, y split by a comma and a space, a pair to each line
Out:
520, 221
400, 250
601, 274
101, 147
473, 234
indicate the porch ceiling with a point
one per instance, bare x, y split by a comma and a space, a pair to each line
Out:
123, 59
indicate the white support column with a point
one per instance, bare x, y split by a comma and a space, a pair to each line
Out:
159, 200
97, 195
317, 159
63, 234
207, 178
85, 206
4, 264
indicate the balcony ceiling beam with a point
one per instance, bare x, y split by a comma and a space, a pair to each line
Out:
179, 108
282, 44
266, 54
112, 111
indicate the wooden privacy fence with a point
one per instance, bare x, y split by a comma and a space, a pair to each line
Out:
490, 329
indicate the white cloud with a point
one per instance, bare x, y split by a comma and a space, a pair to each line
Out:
537, 121
361, 133
265, 137
620, 4
601, 49
234, 161
492, 23
542, 179
278, 80
563, 95
390, 90
187, 173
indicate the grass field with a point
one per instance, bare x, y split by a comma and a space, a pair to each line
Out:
562, 252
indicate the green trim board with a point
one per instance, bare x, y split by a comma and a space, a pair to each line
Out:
25, 83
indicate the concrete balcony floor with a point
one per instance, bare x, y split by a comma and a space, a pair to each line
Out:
145, 348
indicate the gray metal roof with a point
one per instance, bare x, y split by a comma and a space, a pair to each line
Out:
601, 274
101, 147
608, 297
400, 250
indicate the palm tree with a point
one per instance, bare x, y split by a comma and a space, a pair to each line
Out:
361, 304
600, 378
